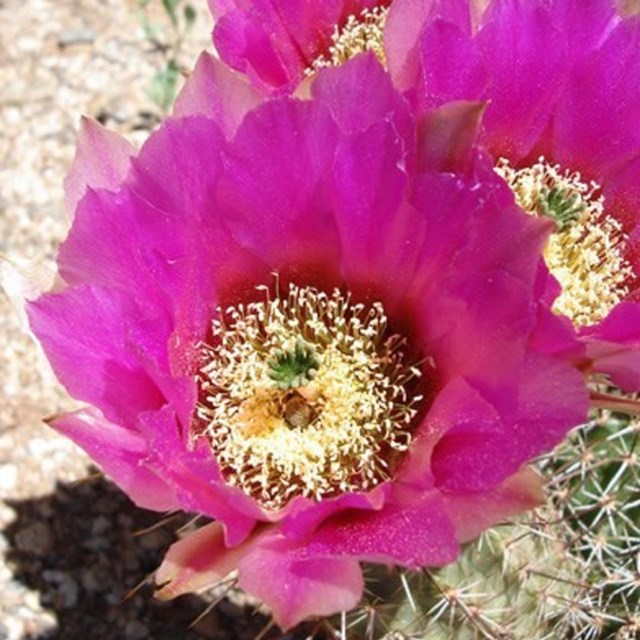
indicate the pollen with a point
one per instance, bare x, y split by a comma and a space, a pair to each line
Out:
360, 34
306, 394
586, 252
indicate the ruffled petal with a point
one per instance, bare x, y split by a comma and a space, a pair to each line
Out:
537, 406
595, 124
258, 45
453, 68
412, 529
198, 562
172, 273
275, 42
101, 162
526, 56
554, 334
380, 234
458, 242
359, 94
296, 585
273, 197
457, 407
214, 91
86, 333
122, 454
473, 513
193, 472
184, 258
304, 516
463, 271
613, 346
177, 168
97, 249
283, 575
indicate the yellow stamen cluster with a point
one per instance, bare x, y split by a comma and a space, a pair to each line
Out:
360, 34
585, 254
340, 431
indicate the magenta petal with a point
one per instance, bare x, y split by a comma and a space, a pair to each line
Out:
584, 21
380, 235
412, 529
97, 249
538, 405
101, 162
458, 406
171, 271
457, 222
213, 90
197, 562
86, 334
621, 197
401, 36
595, 126
613, 346
121, 453
274, 199
466, 341
472, 513
527, 59
274, 42
462, 274
192, 470
245, 43
555, 335
359, 93
177, 168
304, 516
452, 66
296, 585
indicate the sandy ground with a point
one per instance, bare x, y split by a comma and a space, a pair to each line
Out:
69, 553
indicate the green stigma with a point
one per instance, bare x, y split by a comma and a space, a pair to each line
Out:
561, 205
294, 367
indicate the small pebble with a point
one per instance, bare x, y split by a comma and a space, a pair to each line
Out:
69, 592
70, 37
135, 630
8, 477
36, 538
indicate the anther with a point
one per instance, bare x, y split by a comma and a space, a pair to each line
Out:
288, 416
586, 253
360, 33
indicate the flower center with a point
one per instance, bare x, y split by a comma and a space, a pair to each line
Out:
360, 33
307, 394
586, 253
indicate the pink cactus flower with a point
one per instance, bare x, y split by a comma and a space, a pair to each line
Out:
278, 43
561, 79
562, 84
312, 323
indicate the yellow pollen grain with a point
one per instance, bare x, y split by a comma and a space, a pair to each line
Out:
585, 256
358, 399
360, 34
